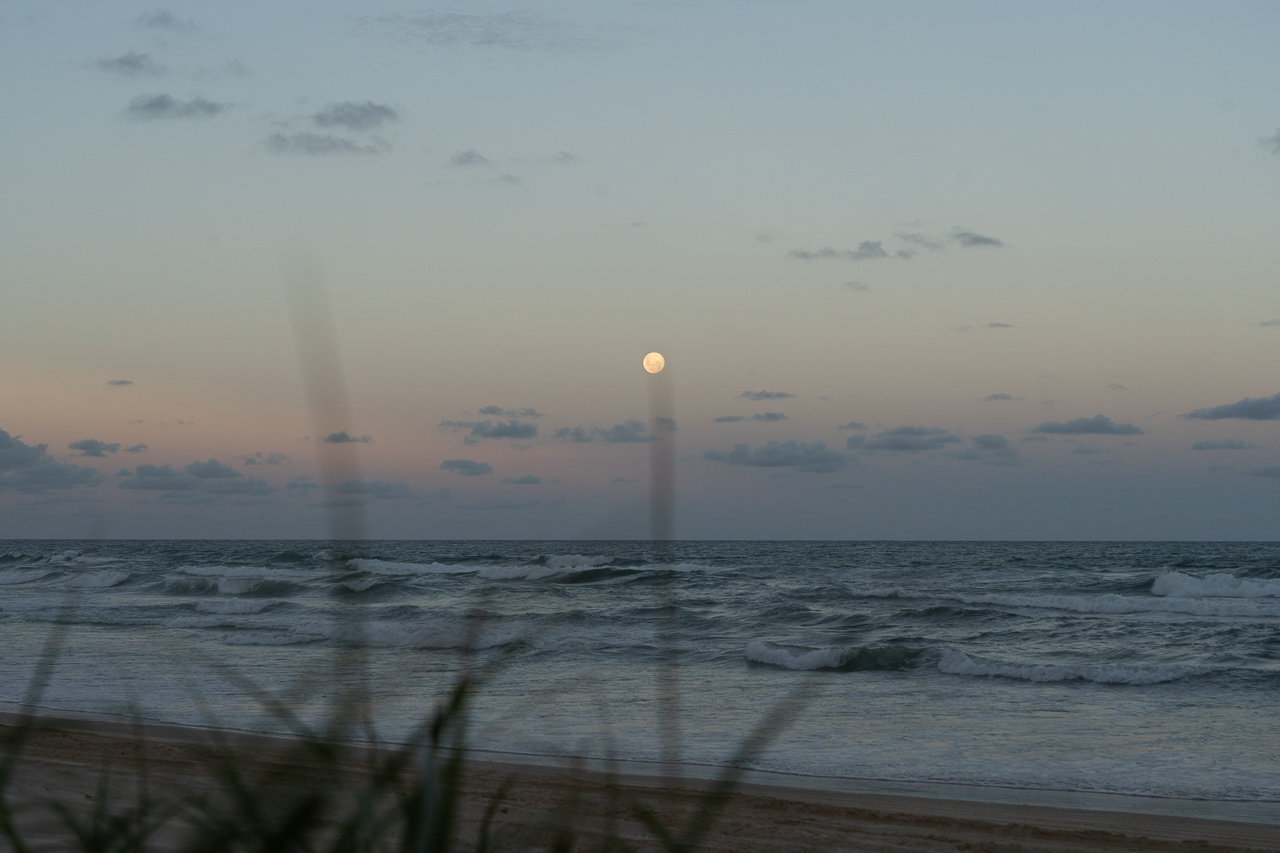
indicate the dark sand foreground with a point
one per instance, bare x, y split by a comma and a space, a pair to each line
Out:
63, 761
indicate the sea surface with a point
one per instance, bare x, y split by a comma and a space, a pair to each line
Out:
1133, 668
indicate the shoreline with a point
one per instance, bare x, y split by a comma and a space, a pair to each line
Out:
64, 762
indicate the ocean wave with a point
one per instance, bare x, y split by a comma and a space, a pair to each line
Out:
234, 606
844, 659
1221, 585
386, 567
1111, 604
267, 638
185, 585
958, 663
245, 572
64, 556
95, 561
574, 561
98, 580
9, 578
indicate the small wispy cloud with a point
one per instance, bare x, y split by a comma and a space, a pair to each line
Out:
470, 159
130, 65
488, 429
1096, 425
924, 241
467, 467
1270, 323
345, 438
93, 447
769, 416
627, 432
910, 439
867, 250
997, 397
1249, 409
165, 106
1272, 142
119, 382
526, 480
136, 448
857, 286
757, 396
320, 144
1225, 444
163, 19
499, 412
355, 116
811, 458
972, 240
728, 419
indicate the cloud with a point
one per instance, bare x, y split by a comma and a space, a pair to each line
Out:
812, 458
1250, 409
852, 425
161, 478
165, 106
971, 239
526, 480
467, 467
520, 31
1227, 444
354, 116
1272, 142
320, 144
130, 65
93, 447
728, 419
378, 489
1000, 397
855, 442
627, 432
999, 325
911, 439
29, 468
119, 381
924, 241
1116, 386
344, 438
868, 250
488, 429
565, 158
471, 158
857, 286
261, 458
769, 416
1272, 471
498, 503
1270, 323
211, 470
137, 448
765, 395
499, 412
302, 484
991, 448
241, 486
163, 19
1096, 425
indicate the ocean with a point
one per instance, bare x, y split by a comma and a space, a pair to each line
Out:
1148, 669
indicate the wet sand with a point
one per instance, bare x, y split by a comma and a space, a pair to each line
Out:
63, 761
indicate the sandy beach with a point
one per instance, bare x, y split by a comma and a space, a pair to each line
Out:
64, 760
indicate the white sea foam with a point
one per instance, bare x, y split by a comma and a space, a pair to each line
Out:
386, 567
1178, 585
95, 561
234, 605
8, 578
245, 572
958, 663
98, 580
816, 659
1115, 604
512, 573
64, 556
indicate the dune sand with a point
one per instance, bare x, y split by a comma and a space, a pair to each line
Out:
64, 759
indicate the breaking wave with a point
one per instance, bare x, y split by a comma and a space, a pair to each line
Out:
98, 580
1178, 585
8, 578
958, 663
845, 660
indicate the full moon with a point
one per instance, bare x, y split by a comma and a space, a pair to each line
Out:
654, 362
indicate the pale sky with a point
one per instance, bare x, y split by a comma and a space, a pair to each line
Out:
984, 258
